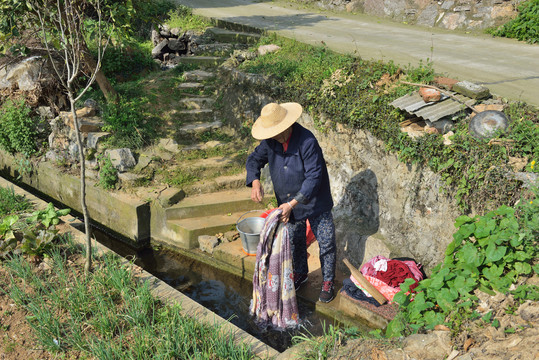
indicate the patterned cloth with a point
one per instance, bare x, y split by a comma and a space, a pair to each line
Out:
274, 301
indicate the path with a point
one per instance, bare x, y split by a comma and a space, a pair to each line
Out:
507, 67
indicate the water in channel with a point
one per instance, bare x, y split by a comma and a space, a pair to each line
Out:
227, 295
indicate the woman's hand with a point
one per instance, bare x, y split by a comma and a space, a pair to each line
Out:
257, 192
287, 210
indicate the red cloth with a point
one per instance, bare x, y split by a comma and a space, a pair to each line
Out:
285, 145
309, 233
396, 273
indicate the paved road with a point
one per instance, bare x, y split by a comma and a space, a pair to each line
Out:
508, 68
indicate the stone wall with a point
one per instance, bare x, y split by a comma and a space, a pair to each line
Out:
447, 14
382, 206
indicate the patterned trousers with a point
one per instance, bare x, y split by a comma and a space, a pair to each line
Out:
324, 231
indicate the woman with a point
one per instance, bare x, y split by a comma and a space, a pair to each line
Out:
301, 184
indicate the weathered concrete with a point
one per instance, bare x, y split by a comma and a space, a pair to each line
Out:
127, 215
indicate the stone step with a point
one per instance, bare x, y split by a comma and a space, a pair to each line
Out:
218, 162
214, 49
198, 75
229, 36
190, 86
197, 103
220, 183
199, 127
201, 61
222, 202
188, 230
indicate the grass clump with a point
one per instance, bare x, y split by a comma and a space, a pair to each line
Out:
525, 27
182, 17
12, 203
108, 314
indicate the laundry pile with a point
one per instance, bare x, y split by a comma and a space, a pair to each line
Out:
385, 275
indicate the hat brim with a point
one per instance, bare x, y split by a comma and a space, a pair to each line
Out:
293, 112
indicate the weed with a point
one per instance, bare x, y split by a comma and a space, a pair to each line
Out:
182, 17
108, 174
18, 132
11, 203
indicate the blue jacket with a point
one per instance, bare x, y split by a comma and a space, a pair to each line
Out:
299, 173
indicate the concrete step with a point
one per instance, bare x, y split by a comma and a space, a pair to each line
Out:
201, 61
210, 204
218, 162
188, 230
229, 36
199, 127
194, 103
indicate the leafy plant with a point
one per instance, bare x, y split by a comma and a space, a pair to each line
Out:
488, 253
34, 236
108, 174
525, 26
17, 128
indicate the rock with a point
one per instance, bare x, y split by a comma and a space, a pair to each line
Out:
45, 112
24, 75
169, 145
266, 49
445, 82
207, 243
158, 49
431, 130
443, 125
354, 6
122, 159
231, 235
435, 345
529, 311
156, 38
176, 45
94, 138
471, 90
446, 137
175, 32
91, 103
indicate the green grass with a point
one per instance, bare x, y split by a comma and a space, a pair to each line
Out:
11, 203
108, 314
182, 17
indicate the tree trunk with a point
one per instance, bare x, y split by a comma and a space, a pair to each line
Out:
104, 84
88, 265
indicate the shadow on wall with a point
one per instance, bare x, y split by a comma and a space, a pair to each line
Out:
357, 217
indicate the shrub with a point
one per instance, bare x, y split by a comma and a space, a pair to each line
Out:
127, 122
525, 26
124, 62
18, 131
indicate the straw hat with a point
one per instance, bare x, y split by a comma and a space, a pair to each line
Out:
274, 119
